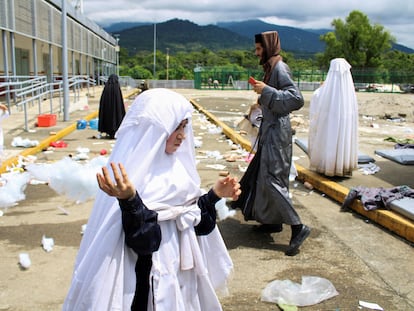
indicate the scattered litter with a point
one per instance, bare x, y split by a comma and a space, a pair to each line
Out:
83, 228
82, 150
81, 124
103, 151
223, 210
370, 118
24, 160
47, 243
293, 173
249, 157
37, 182
308, 185
24, 142
369, 168
66, 212
80, 157
370, 305
214, 154
313, 290
230, 158
224, 173
94, 123
58, 144
24, 260
212, 129
197, 143
285, 307
216, 166
13, 188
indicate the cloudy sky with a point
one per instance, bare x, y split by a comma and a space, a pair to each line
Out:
397, 16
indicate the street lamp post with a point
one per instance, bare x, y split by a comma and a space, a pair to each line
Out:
117, 49
168, 60
155, 48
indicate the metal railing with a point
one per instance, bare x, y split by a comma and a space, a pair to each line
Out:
24, 91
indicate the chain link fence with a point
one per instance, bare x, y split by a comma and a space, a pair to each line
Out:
365, 80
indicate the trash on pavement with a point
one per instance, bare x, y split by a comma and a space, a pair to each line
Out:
24, 260
370, 305
313, 290
47, 243
24, 142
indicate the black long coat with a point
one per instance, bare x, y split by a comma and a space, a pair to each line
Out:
111, 107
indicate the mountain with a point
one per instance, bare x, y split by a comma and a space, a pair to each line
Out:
301, 42
292, 39
185, 36
117, 27
181, 36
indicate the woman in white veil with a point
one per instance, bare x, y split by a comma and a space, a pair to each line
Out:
333, 123
154, 208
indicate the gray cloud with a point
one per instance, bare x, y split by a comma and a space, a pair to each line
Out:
395, 15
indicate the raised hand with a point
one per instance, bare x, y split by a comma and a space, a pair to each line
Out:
122, 188
227, 187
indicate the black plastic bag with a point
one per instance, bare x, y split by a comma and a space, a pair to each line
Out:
248, 184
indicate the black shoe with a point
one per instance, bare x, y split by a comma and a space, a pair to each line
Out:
297, 241
267, 228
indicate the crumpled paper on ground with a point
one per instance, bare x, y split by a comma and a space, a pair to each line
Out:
24, 142
313, 290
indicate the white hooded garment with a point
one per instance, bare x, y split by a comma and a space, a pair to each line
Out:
3, 115
333, 123
187, 269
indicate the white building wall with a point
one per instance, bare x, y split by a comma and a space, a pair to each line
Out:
34, 26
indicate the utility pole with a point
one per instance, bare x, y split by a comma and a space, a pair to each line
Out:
65, 80
117, 49
155, 48
168, 60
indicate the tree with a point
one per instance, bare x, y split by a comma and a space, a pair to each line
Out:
401, 66
356, 40
137, 72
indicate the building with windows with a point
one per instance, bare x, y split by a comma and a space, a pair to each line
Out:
31, 41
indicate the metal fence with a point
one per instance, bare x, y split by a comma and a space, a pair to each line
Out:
307, 80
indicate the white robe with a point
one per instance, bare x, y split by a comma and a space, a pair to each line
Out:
187, 269
3, 115
333, 123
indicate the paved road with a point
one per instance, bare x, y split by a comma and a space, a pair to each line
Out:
362, 260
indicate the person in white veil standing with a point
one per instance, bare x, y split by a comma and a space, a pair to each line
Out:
333, 123
151, 242
4, 113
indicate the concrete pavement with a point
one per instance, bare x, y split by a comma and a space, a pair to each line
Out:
352, 244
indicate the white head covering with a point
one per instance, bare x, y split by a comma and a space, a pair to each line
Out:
104, 268
333, 118
160, 178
